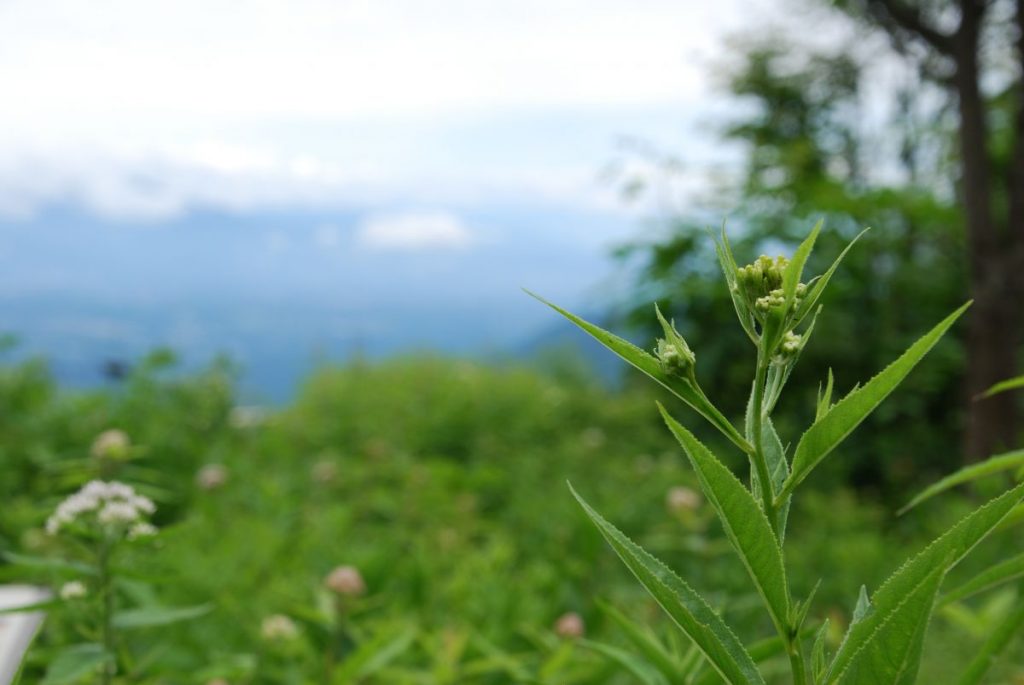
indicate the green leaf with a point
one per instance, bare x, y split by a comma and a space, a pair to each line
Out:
819, 656
1002, 462
863, 605
892, 652
147, 617
744, 522
941, 555
687, 609
992, 577
729, 269
824, 397
647, 644
817, 288
995, 643
644, 672
648, 364
1003, 386
374, 655
760, 651
827, 432
795, 270
62, 565
75, 662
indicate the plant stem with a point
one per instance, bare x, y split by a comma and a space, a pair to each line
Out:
796, 661
760, 463
794, 647
106, 613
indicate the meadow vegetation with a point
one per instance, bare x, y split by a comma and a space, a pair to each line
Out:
409, 522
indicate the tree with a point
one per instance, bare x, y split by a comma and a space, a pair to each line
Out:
991, 177
805, 156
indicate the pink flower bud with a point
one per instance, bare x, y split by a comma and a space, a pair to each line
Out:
346, 581
569, 625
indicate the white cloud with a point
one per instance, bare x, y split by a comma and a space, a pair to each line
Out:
145, 109
414, 231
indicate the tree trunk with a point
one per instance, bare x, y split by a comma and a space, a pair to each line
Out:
998, 307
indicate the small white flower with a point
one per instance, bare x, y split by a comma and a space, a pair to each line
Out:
113, 443
278, 628
141, 530
212, 476
74, 589
680, 498
114, 505
118, 512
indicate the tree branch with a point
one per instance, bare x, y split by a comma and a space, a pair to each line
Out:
898, 18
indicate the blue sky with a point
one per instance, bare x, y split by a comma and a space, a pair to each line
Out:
358, 161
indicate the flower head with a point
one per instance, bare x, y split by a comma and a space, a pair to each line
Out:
346, 581
570, 625
680, 499
212, 476
112, 506
278, 628
111, 444
74, 589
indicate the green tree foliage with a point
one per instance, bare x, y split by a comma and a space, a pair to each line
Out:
805, 156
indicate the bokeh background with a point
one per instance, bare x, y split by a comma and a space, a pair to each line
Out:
284, 243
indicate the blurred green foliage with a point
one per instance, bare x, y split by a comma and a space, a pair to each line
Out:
805, 156
443, 482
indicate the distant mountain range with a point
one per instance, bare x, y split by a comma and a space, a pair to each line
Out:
280, 292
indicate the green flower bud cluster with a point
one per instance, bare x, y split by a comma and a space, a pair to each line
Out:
761, 284
789, 347
674, 359
673, 353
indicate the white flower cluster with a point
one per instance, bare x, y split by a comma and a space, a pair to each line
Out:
114, 505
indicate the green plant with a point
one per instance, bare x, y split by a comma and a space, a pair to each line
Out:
777, 311
94, 526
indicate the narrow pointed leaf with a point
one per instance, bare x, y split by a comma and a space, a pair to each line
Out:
760, 651
942, 554
648, 364
686, 608
729, 269
1002, 462
994, 644
1003, 386
817, 288
744, 522
652, 650
825, 397
633, 664
824, 434
819, 656
893, 652
795, 270
992, 577
863, 605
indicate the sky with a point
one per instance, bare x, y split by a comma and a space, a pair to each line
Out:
160, 157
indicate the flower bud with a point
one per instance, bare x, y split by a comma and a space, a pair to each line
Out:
212, 476
278, 628
681, 499
570, 626
346, 581
673, 353
110, 444
74, 589
324, 472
